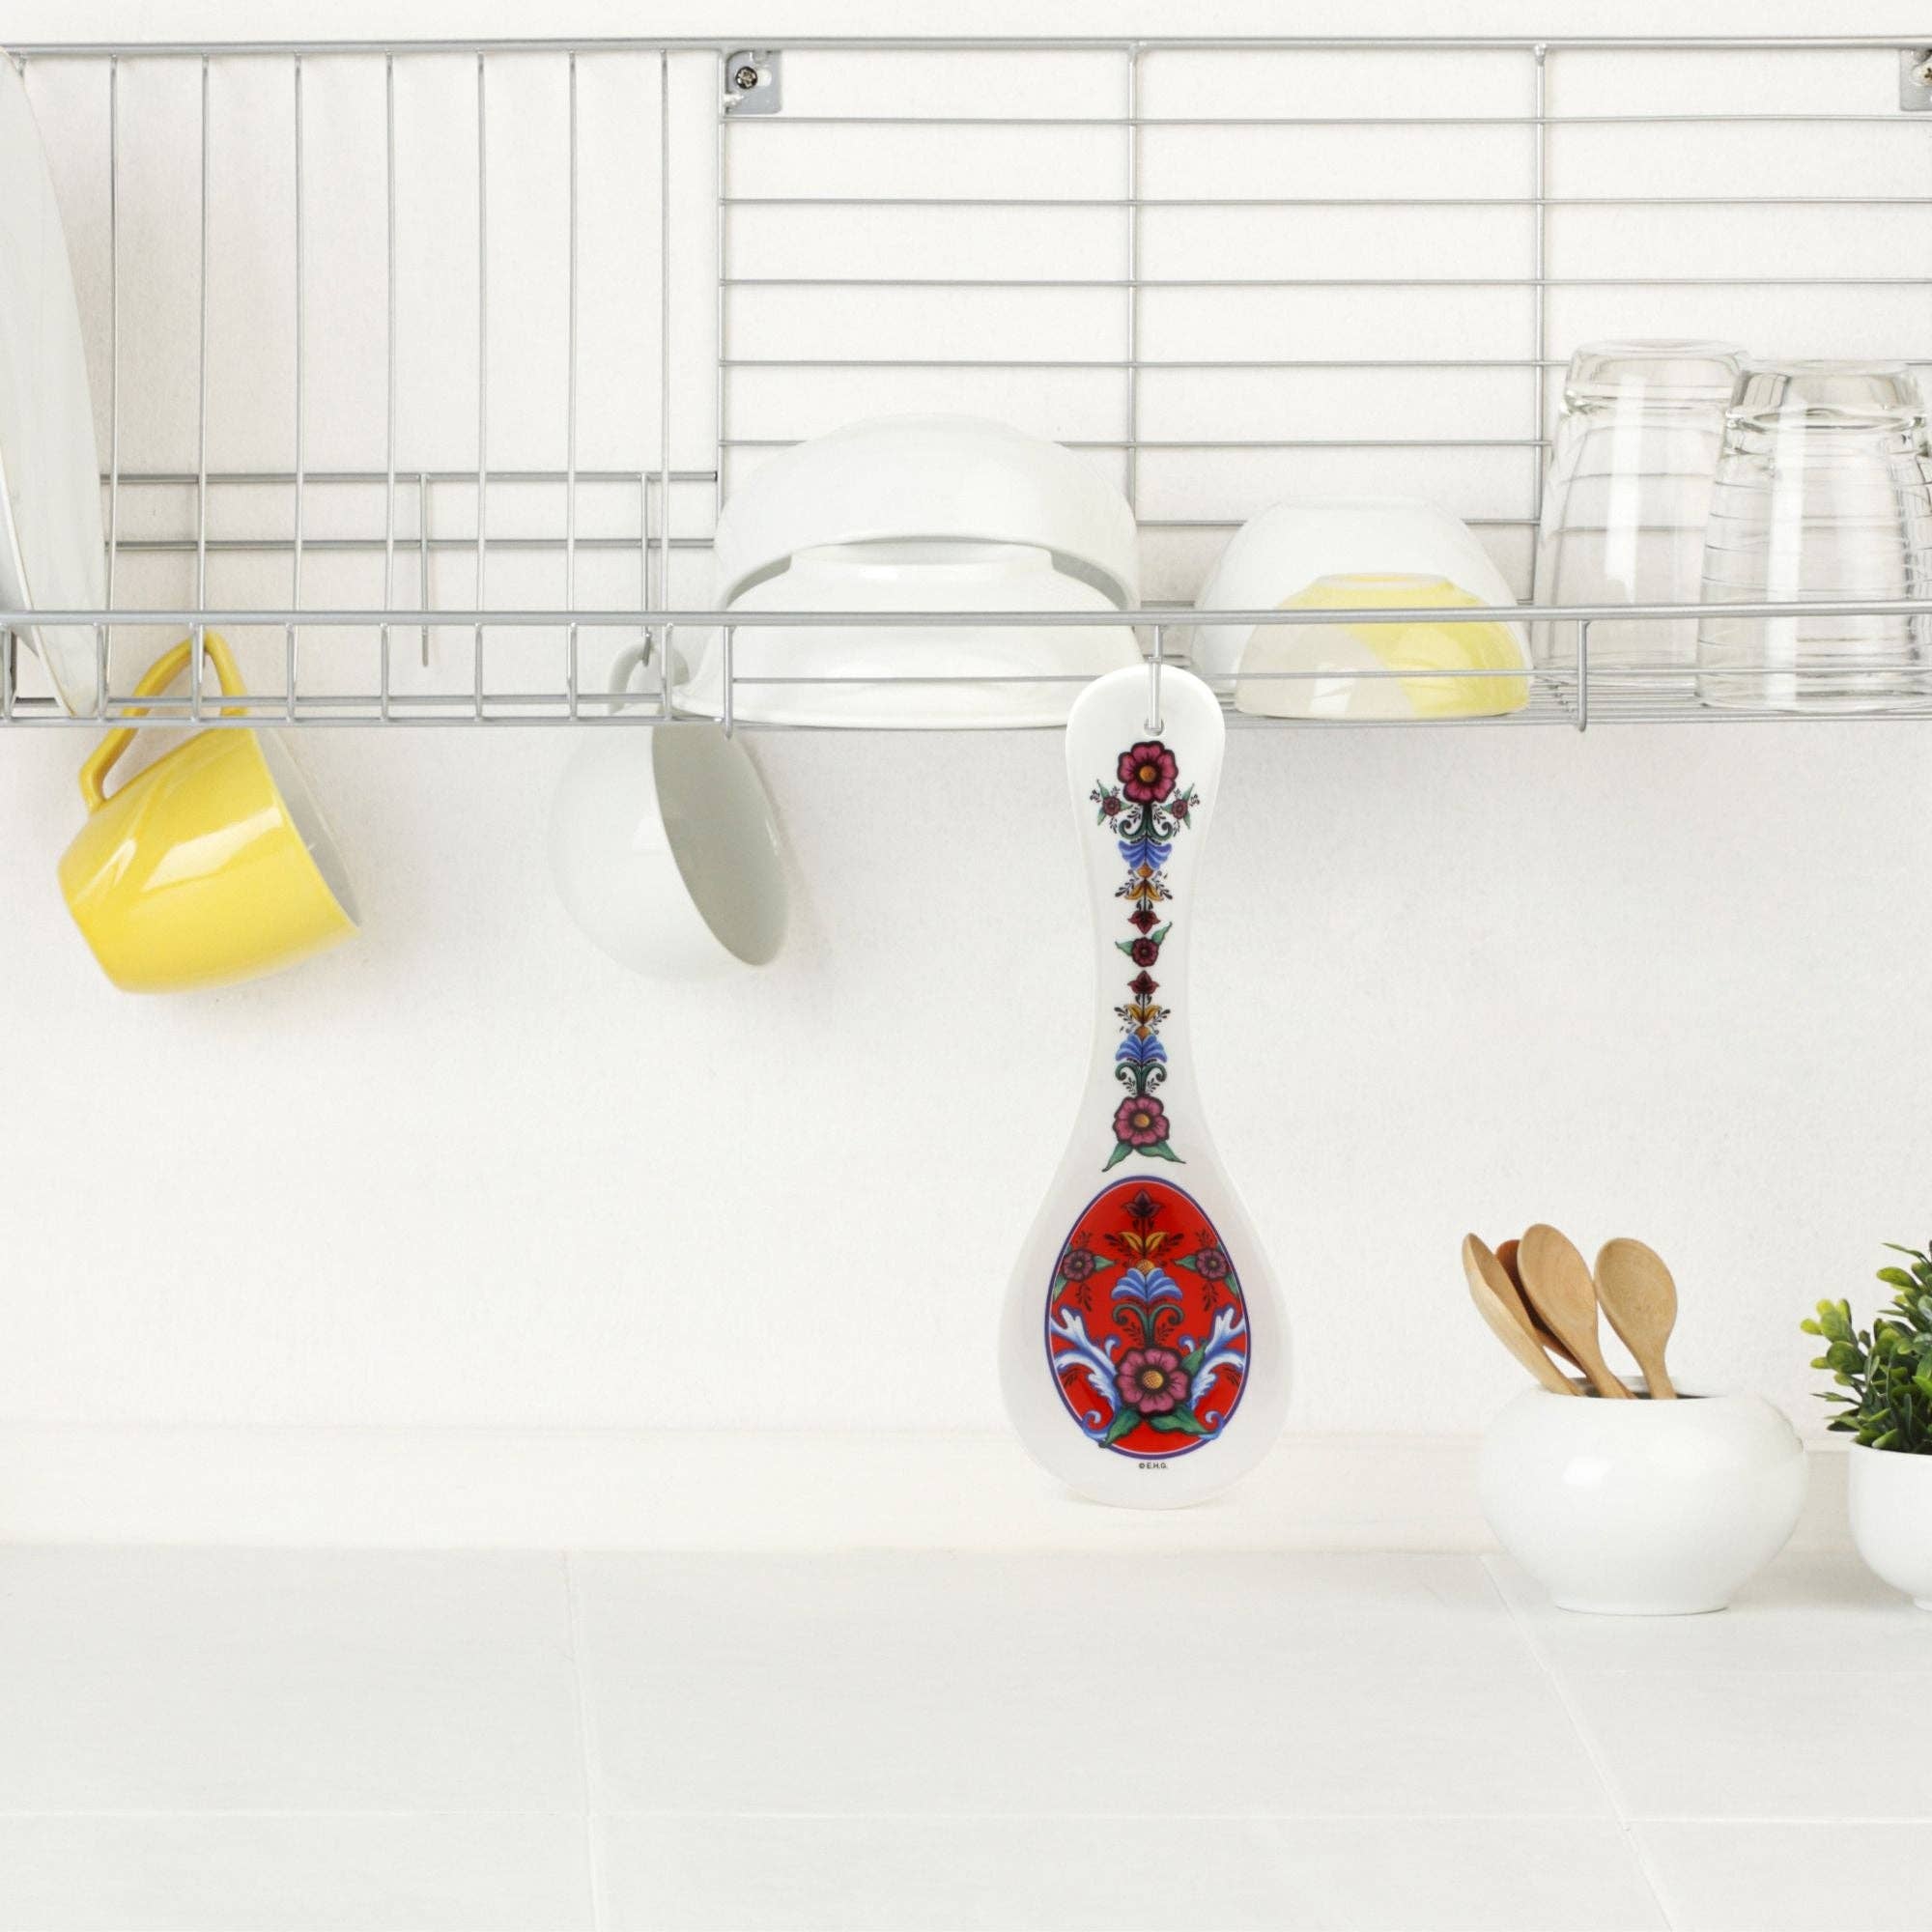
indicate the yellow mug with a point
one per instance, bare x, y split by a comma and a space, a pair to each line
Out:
211, 866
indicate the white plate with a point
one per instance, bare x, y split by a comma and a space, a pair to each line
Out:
50, 536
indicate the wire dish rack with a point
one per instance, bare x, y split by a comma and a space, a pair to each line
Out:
421, 370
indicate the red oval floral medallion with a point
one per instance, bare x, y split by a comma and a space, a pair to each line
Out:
1147, 1328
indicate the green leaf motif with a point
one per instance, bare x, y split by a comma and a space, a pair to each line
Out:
1160, 1151
1180, 1422
1121, 1425
1190, 1363
1120, 1153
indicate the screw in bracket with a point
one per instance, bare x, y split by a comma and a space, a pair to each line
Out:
753, 76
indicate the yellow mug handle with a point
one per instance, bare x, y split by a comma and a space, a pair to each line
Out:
161, 673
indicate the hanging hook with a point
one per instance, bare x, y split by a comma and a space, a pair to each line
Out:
1154, 721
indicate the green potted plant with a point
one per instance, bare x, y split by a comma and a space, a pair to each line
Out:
1884, 1398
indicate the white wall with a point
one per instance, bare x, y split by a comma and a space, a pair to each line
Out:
1659, 981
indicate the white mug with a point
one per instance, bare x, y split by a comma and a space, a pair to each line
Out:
664, 850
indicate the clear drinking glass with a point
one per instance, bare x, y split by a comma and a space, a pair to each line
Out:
1631, 460
1821, 494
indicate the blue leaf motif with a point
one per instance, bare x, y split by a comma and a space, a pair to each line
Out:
1219, 1352
1147, 1285
1145, 851
1075, 1346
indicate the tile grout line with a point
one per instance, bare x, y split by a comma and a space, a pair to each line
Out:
594, 1781
1903, 1821
200, 1812
1626, 1826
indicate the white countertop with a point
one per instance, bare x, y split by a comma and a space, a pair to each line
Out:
280, 1740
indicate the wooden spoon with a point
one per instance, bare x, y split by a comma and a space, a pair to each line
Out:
1494, 1295
1506, 1253
1638, 1296
1557, 1282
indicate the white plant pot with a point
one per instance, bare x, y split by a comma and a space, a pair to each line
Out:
1891, 1518
1642, 1508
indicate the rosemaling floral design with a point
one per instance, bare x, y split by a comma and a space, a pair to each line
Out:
1159, 1366
1153, 1381
1144, 811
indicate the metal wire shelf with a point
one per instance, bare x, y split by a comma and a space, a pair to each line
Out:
531, 308
1565, 688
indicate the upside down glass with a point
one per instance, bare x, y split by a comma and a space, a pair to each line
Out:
1820, 495
1632, 460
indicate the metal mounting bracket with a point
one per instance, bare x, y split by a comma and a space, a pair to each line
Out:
753, 79
1914, 79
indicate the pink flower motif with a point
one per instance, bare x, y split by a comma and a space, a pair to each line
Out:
1153, 1381
1147, 772
1144, 951
1140, 1121
1078, 1263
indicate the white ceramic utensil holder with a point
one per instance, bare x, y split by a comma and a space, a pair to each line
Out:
1891, 1518
1641, 1508
1144, 1352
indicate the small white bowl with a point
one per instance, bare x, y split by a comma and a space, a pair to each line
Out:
1329, 660
958, 478
1641, 1508
1891, 1518
1281, 552
663, 849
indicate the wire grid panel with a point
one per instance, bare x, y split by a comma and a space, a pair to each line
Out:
392, 332
1236, 273
408, 340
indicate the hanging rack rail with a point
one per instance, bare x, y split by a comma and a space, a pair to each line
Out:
763, 306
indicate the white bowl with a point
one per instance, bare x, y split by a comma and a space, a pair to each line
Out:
1329, 661
912, 577
1285, 548
663, 849
1891, 1518
960, 478
1641, 1508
